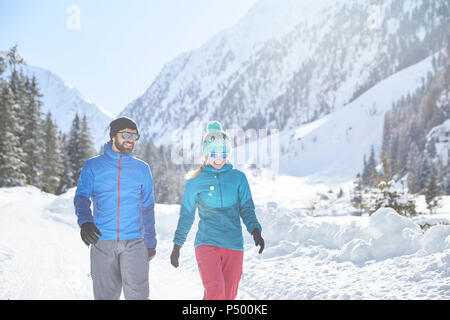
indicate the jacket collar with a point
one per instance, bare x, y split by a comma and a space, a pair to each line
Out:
110, 153
210, 168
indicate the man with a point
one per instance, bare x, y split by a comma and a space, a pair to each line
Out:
121, 230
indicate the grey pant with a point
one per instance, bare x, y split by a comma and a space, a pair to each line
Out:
120, 263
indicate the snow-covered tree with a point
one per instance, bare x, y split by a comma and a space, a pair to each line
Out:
11, 153
66, 180
32, 134
52, 157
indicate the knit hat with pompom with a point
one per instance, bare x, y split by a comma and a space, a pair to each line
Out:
215, 140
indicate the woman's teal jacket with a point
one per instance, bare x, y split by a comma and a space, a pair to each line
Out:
223, 198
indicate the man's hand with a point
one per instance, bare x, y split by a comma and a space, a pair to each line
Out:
151, 253
89, 233
175, 255
259, 241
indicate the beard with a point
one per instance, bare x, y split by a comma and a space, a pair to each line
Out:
125, 147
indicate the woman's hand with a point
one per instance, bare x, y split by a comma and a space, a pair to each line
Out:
175, 255
259, 241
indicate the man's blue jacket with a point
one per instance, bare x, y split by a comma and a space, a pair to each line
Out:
120, 188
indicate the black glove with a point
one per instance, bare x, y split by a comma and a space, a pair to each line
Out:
175, 255
151, 253
259, 241
88, 233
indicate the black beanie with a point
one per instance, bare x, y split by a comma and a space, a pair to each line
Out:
120, 124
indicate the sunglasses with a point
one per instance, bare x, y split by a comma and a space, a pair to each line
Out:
128, 135
216, 155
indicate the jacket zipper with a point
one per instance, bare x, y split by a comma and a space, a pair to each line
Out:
118, 201
220, 190
221, 202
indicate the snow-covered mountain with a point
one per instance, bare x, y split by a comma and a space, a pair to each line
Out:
336, 143
64, 101
331, 148
287, 63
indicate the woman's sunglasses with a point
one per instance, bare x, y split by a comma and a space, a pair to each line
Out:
217, 155
127, 135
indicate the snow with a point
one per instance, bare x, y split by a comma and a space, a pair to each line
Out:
64, 101
384, 256
332, 147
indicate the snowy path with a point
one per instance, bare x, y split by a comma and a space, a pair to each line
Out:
41, 259
384, 257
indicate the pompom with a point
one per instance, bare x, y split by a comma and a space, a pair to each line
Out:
214, 126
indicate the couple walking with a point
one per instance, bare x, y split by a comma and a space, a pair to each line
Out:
120, 227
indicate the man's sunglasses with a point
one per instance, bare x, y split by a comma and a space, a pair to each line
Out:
216, 155
127, 135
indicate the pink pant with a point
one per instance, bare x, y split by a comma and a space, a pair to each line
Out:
220, 271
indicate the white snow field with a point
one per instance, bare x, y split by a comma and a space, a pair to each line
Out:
336, 256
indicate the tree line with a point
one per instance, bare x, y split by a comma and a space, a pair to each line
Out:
33, 151
408, 153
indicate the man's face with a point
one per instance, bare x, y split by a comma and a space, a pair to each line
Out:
125, 146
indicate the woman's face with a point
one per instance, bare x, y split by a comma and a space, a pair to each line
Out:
218, 161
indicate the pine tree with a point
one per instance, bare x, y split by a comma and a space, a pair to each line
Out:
431, 148
357, 194
365, 172
74, 148
11, 153
413, 168
2, 65
369, 169
66, 180
425, 169
386, 131
32, 135
86, 141
432, 191
385, 195
446, 182
52, 157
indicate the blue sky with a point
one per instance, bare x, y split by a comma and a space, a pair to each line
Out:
120, 45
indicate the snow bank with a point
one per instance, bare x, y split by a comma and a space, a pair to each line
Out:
384, 256
436, 239
62, 209
385, 234
392, 235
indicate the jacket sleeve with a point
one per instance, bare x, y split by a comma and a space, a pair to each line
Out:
148, 209
82, 201
187, 213
246, 206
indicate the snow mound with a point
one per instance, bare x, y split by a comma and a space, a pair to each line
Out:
436, 239
62, 209
392, 235
356, 250
386, 234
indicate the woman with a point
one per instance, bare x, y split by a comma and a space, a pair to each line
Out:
223, 197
